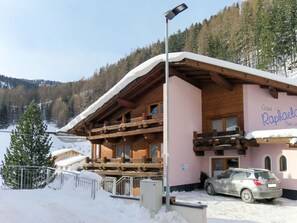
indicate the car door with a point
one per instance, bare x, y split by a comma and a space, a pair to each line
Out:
224, 182
236, 182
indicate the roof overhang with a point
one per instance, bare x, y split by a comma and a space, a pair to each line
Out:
276, 136
196, 69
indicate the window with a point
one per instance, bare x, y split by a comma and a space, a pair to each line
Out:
154, 148
217, 124
283, 163
119, 151
156, 108
239, 175
224, 124
267, 163
231, 123
226, 174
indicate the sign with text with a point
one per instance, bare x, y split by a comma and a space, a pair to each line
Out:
275, 116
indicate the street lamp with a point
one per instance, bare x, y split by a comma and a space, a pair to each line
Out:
169, 15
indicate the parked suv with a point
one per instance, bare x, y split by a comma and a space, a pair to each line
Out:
249, 184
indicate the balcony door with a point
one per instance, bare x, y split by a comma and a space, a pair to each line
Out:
123, 151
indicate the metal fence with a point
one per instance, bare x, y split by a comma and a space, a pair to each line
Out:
34, 177
125, 185
25, 177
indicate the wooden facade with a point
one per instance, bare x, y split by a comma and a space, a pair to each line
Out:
126, 128
128, 142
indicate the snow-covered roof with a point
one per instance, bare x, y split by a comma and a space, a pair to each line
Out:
69, 161
61, 151
148, 65
276, 133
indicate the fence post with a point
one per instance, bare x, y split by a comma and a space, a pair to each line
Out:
22, 175
131, 186
114, 186
62, 180
76, 180
93, 189
47, 176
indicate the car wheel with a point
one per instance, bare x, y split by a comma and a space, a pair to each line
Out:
247, 196
210, 190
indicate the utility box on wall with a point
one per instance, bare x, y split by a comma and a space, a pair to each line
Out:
151, 194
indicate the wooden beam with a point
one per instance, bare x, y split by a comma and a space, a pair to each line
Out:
252, 78
273, 92
221, 81
132, 138
113, 140
126, 103
191, 81
97, 141
127, 133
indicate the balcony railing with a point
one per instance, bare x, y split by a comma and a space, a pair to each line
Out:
220, 141
135, 126
122, 166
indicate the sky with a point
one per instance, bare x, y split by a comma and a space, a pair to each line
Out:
67, 40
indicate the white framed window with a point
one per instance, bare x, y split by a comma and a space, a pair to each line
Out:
267, 162
283, 165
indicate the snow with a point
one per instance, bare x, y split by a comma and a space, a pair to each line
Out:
148, 65
261, 134
74, 205
61, 151
70, 160
223, 209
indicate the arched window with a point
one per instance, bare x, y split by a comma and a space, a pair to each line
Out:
267, 163
283, 163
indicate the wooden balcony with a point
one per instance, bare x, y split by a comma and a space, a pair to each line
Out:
218, 142
134, 126
126, 167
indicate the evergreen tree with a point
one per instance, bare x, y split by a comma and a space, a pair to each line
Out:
4, 119
29, 146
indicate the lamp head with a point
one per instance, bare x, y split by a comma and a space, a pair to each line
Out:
175, 11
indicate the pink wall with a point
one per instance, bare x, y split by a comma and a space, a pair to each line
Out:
185, 117
288, 178
262, 112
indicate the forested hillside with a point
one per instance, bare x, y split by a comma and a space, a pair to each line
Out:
256, 33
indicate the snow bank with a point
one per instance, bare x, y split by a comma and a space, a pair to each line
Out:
90, 175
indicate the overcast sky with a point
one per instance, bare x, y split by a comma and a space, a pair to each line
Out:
66, 40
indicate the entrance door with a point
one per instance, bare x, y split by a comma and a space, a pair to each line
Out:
218, 165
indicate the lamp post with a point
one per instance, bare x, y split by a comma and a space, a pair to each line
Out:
169, 15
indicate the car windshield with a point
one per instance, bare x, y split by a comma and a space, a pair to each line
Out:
264, 175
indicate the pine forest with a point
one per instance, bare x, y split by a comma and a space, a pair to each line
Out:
257, 33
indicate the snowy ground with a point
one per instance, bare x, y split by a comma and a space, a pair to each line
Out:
73, 205
223, 209
70, 205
